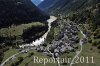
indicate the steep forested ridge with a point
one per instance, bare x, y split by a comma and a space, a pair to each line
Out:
18, 12
20, 19
65, 5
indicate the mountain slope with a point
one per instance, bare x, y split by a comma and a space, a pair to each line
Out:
65, 5
18, 12
47, 4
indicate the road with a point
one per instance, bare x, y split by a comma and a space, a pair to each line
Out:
78, 52
36, 43
53, 56
11, 57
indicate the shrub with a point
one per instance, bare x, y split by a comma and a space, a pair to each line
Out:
98, 46
12, 64
90, 40
20, 59
30, 54
94, 43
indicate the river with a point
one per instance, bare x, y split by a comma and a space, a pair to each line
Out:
34, 43
40, 41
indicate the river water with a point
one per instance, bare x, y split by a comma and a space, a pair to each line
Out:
40, 41
36, 42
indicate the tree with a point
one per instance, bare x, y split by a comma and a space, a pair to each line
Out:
98, 46
90, 40
20, 59
12, 64
30, 54
94, 43
1, 55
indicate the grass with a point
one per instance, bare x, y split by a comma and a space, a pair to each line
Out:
9, 53
24, 55
40, 55
67, 56
80, 35
18, 30
29, 60
88, 52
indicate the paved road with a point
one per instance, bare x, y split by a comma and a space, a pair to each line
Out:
53, 56
11, 57
78, 52
37, 42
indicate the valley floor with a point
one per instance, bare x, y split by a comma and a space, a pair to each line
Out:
89, 55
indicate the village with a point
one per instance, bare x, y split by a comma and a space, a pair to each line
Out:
66, 41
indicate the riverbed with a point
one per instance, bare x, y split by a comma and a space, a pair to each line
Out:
41, 40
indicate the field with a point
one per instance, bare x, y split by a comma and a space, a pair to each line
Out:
9, 53
18, 30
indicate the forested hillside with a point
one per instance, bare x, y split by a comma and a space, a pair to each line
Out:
65, 6
18, 12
